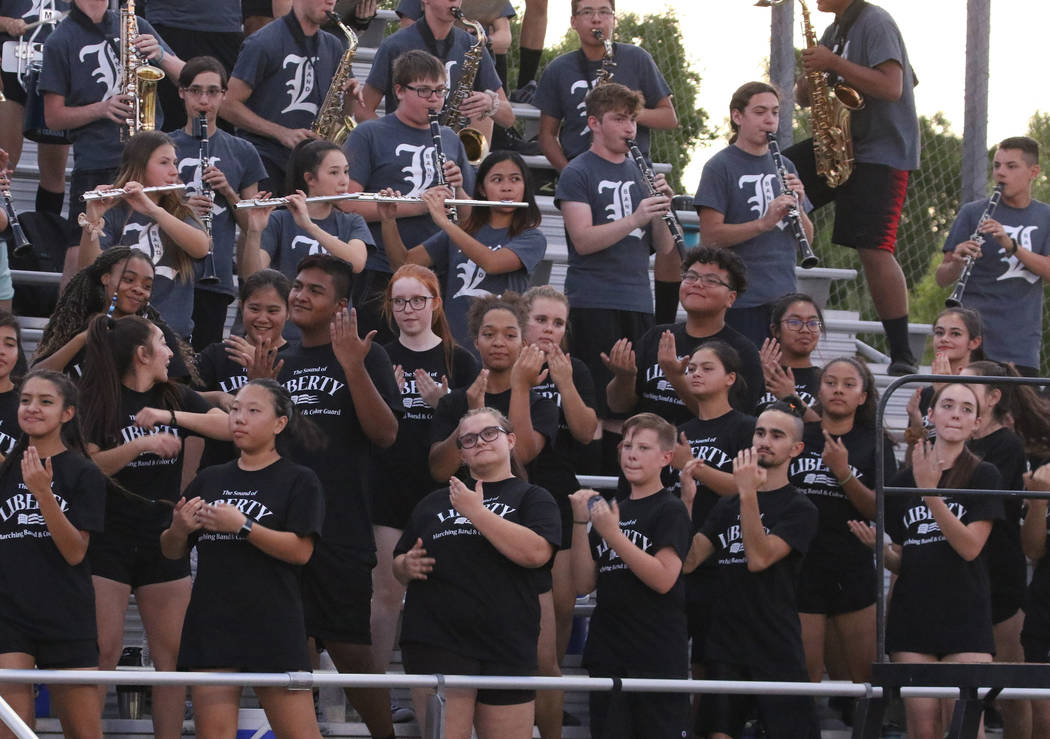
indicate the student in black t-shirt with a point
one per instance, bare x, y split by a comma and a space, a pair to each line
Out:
119, 282
10, 356
53, 501
1035, 636
135, 420
471, 559
941, 606
633, 555
796, 323
427, 365
758, 538
254, 522
836, 471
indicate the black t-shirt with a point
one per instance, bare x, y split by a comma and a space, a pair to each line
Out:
1037, 605
245, 610
634, 628
318, 388
41, 595
1003, 552
148, 475
657, 395
476, 602
9, 429
805, 387
177, 369
941, 602
565, 445
835, 546
755, 621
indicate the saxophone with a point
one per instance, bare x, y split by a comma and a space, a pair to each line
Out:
474, 142
331, 123
138, 79
832, 141
608, 61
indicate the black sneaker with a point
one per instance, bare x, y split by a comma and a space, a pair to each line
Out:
567, 719
510, 140
903, 366
524, 94
401, 714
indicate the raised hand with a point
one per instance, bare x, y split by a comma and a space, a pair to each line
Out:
347, 344
528, 371
476, 391
36, 476
667, 356
185, 518
429, 390
926, 467
580, 503
835, 457
560, 365
621, 359
416, 565
747, 474
466, 501
605, 517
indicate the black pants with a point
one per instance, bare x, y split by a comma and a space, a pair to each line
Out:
209, 317
223, 45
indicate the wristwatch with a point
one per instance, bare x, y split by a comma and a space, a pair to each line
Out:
246, 528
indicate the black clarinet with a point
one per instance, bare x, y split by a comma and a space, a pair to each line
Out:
955, 299
439, 161
805, 251
209, 277
650, 184
22, 244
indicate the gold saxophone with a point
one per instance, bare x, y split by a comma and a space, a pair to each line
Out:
474, 142
139, 79
608, 61
832, 141
331, 123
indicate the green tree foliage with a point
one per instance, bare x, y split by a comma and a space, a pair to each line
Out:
1039, 129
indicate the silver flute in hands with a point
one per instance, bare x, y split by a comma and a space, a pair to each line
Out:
120, 192
372, 197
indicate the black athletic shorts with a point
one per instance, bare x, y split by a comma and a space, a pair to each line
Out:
621, 715
701, 589
337, 596
425, 659
256, 7
13, 90
782, 716
867, 207
1036, 648
831, 590
595, 330
61, 654
121, 558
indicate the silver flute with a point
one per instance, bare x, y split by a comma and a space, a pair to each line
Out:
120, 192
372, 197
955, 299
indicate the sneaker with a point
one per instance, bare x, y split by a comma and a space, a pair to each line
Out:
510, 140
902, 366
567, 719
524, 94
401, 714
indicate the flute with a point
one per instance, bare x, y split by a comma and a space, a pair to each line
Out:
121, 192
371, 197
955, 299
650, 183
805, 251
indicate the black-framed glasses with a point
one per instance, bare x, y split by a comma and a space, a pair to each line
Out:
489, 433
796, 324
424, 91
418, 302
600, 12
707, 280
198, 91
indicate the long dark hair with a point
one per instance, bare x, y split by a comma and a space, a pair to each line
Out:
971, 319
71, 435
962, 470
1029, 410
299, 431
305, 158
866, 411
111, 347
730, 361
524, 218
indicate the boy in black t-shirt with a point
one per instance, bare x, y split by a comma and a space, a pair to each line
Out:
633, 555
759, 538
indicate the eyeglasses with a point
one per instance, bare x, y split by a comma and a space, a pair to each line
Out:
600, 12
211, 92
707, 280
424, 92
796, 324
489, 433
418, 302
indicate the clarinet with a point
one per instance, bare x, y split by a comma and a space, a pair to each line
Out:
439, 160
204, 157
955, 299
805, 251
21, 242
650, 185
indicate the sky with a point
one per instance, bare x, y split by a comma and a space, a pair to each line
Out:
729, 45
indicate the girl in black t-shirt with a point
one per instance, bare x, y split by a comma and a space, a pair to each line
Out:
471, 560
836, 471
427, 364
941, 606
795, 323
1035, 636
10, 352
135, 420
254, 522
53, 499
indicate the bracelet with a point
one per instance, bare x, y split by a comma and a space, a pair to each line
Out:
580, 523
1016, 247
94, 228
494, 106
843, 482
173, 418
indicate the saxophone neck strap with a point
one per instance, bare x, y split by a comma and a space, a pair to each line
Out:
438, 47
307, 44
98, 29
585, 66
843, 23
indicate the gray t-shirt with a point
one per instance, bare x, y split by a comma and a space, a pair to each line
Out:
289, 74
450, 50
741, 186
568, 78
215, 16
82, 66
172, 293
615, 278
384, 152
1008, 296
466, 280
287, 243
241, 164
884, 132
414, 9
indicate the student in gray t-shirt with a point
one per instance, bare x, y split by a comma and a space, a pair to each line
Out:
864, 49
1010, 267
610, 226
742, 206
282, 75
81, 81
